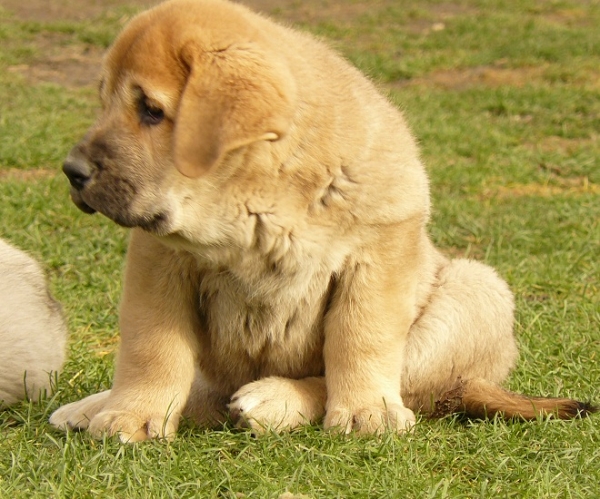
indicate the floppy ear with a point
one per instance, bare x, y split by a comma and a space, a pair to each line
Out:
232, 98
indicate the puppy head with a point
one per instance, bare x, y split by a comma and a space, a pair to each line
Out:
184, 85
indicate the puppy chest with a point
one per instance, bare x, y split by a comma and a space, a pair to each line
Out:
244, 337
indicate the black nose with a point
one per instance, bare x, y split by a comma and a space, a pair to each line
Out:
78, 170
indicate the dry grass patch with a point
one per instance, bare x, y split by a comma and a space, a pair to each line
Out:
562, 187
20, 175
465, 78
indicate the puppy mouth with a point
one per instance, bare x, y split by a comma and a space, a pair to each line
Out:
80, 203
156, 223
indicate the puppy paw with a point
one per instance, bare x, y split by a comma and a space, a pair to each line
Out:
98, 415
274, 404
133, 425
77, 415
370, 420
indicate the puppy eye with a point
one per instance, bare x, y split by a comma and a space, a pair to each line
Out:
149, 114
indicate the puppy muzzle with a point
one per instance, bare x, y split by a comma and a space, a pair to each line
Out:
79, 172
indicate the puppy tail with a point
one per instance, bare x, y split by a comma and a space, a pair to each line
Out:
479, 398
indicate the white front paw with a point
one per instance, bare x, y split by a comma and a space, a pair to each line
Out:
278, 403
77, 415
134, 425
102, 415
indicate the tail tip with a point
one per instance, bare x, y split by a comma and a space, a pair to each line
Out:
580, 409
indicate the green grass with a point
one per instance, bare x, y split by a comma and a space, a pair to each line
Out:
441, 459
505, 100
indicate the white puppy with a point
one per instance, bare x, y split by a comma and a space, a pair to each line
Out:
33, 333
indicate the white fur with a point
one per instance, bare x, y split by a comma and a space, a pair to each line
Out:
32, 331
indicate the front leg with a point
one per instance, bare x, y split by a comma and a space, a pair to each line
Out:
155, 366
372, 309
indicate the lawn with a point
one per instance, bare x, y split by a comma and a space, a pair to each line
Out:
504, 97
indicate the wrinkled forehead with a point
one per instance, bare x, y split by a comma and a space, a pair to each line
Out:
143, 58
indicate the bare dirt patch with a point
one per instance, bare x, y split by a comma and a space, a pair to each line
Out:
72, 10
62, 61
80, 10
292, 10
313, 11
65, 62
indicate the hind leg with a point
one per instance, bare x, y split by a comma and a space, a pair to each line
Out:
465, 331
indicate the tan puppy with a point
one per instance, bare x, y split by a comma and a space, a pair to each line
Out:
33, 334
279, 261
